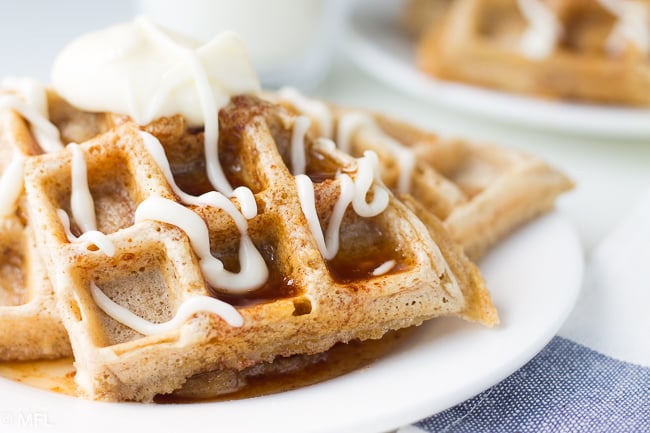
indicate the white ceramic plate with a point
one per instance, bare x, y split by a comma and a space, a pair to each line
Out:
380, 47
535, 276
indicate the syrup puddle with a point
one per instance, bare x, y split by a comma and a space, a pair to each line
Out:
58, 375
50, 375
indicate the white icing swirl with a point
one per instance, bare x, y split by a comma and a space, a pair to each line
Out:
81, 201
543, 32
633, 25
92, 237
384, 268
315, 109
29, 99
351, 123
247, 203
83, 207
253, 270
328, 244
186, 310
354, 192
11, 184
298, 160
213, 198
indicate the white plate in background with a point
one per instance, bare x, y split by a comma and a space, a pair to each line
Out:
380, 47
534, 276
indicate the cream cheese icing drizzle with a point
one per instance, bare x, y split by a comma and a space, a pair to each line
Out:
186, 310
328, 244
354, 192
326, 143
367, 173
146, 72
298, 161
81, 201
317, 110
30, 91
83, 207
384, 268
253, 271
30, 101
544, 29
93, 237
350, 123
244, 195
213, 198
247, 203
11, 184
632, 26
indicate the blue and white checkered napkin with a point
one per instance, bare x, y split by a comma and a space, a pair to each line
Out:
595, 377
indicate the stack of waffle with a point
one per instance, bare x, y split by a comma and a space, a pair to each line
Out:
162, 284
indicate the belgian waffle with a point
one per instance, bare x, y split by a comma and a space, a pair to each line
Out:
30, 326
592, 50
388, 273
480, 191
419, 15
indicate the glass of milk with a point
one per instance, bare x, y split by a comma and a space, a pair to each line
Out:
290, 42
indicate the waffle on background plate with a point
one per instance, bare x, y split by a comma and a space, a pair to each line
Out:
591, 50
480, 191
307, 303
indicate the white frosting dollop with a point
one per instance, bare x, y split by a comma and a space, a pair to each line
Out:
142, 70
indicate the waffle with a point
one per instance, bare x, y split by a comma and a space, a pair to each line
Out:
481, 192
419, 15
30, 326
389, 272
581, 50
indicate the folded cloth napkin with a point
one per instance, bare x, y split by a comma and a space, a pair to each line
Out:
595, 375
